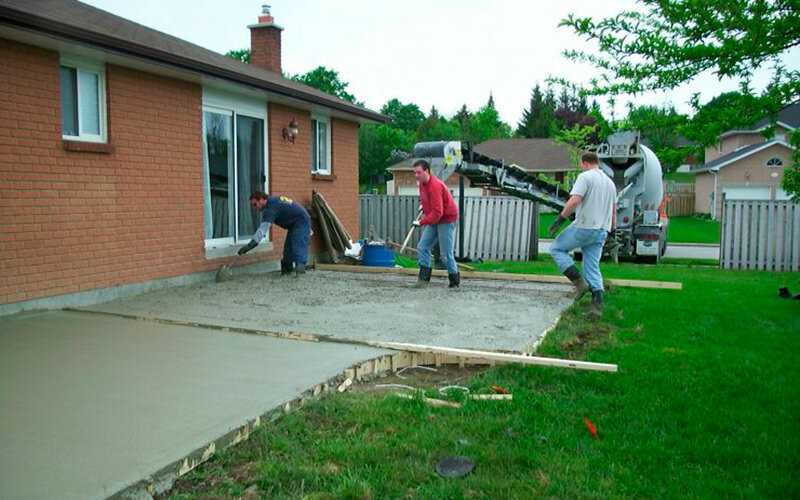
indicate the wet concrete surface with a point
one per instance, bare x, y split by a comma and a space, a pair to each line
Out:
90, 404
482, 314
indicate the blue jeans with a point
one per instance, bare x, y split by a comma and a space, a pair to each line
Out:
590, 241
445, 234
295, 248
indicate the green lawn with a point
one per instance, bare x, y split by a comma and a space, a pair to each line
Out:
689, 229
679, 177
705, 404
693, 229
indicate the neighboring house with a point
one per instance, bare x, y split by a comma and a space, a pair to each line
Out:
127, 156
404, 184
543, 156
746, 165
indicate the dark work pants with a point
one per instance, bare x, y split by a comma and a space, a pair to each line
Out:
295, 248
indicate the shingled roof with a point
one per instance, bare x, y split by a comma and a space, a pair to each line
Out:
534, 155
76, 21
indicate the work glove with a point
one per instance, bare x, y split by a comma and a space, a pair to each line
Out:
248, 247
556, 225
416, 223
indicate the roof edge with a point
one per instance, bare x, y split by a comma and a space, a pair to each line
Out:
47, 26
744, 155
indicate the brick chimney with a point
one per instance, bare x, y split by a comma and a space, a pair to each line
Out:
265, 42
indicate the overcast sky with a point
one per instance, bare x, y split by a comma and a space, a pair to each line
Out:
444, 52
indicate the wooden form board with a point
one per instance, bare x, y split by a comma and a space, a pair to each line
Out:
497, 356
533, 278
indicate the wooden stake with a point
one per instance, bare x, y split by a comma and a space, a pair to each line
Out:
532, 278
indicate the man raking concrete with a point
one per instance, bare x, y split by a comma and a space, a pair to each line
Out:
290, 215
438, 223
593, 200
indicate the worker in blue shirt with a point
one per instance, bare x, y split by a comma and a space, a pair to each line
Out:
290, 215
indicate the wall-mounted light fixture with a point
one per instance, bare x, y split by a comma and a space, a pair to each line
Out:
290, 132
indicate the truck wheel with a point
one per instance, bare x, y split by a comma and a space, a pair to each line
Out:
664, 248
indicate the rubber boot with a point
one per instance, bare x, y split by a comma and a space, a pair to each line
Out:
424, 278
286, 268
581, 287
299, 270
596, 309
455, 280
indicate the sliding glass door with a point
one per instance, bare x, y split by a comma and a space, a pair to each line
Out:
232, 170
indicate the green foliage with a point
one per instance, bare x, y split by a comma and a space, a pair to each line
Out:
668, 42
240, 55
378, 147
577, 139
407, 117
727, 111
660, 127
791, 175
484, 125
539, 119
326, 80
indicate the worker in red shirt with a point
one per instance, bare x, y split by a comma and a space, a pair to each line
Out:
438, 222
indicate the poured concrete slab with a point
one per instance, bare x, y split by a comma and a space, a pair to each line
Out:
482, 314
90, 404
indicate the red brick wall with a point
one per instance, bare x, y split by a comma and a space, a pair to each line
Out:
74, 221
290, 167
265, 48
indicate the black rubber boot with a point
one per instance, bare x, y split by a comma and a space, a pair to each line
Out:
455, 280
299, 270
286, 268
596, 308
581, 287
424, 278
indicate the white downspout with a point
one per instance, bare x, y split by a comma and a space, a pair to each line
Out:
716, 194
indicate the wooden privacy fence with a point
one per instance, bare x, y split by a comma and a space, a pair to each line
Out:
760, 235
680, 198
495, 227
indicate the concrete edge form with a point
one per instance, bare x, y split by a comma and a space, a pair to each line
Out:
98, 295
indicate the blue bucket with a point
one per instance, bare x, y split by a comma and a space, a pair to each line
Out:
377, 255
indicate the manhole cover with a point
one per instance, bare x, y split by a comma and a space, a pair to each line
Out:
454, 466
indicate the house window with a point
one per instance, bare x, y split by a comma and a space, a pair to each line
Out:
83, 102
320, 145
233, 165
774, 162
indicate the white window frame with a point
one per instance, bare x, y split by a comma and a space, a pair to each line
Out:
315, 137
780, 165
225, 102
84, 66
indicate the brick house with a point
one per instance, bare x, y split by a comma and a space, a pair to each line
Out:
127, 155
544, 156
746, 165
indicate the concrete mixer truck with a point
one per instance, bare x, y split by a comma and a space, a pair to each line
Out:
641, 222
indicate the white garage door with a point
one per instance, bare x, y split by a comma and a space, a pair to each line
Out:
746, 193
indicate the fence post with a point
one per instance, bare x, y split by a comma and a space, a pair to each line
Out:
533, 250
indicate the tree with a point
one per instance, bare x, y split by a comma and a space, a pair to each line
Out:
791, 176
378, 147
660, 127
240, 55
438, 128
537, 121
326, 80
404, 116
485, 124
671, 42
463, 116
727, 111
577, 139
